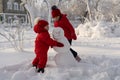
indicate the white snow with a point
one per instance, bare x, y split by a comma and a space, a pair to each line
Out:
99, 29
100, 60
98, 45
100, 56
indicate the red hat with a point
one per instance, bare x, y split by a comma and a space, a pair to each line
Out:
55, 13
42, 23
39, 27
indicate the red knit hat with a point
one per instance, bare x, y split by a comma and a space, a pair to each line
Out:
39, 27
42, 23
55, 13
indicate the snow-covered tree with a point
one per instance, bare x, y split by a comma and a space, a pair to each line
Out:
33, 7
107, 10
39, 8
96, 9
73, 8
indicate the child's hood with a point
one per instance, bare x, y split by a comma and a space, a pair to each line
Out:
40, 26
39, 29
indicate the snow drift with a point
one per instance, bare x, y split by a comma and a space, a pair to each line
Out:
90, 68
100, 29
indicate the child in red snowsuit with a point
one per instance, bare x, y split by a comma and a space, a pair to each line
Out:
60, 20
42, 43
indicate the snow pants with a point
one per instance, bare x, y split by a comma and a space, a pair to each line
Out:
40, 60
72, 51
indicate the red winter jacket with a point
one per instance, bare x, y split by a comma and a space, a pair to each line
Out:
42, 43
66, 26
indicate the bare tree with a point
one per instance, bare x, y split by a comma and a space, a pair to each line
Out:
14, 33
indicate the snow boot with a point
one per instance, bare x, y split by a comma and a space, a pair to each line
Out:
40, 70
78, 58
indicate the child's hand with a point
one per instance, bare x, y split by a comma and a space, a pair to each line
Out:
60, 44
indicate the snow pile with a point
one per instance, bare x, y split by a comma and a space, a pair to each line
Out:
84, 30
103, 29
99, 29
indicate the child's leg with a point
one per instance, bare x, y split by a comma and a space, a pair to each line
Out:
75, 54
42, 62
41, 65
35, 61
72, 51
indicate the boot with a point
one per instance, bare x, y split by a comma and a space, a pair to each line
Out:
40, 70
78, 58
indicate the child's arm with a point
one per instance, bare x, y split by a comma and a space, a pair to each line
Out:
46, 38
70, 27
51, 42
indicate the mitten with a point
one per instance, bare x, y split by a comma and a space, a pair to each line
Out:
60, 44
73, 35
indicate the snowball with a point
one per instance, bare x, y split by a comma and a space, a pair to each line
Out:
65, 59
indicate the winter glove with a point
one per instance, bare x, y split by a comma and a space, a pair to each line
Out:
59, 44
40, 70
73, 35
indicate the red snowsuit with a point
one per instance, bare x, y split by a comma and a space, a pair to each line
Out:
66, 26
42, 43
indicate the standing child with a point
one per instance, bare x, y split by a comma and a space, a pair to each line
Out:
42, 43
60, 20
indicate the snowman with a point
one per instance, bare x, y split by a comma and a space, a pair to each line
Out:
64, 57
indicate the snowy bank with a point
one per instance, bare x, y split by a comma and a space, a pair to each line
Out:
90, 68
98, 29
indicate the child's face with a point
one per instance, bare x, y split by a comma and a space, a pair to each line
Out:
56, 18
46, 27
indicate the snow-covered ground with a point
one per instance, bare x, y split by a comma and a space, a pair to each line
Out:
100, 61
100, 57
98, 45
